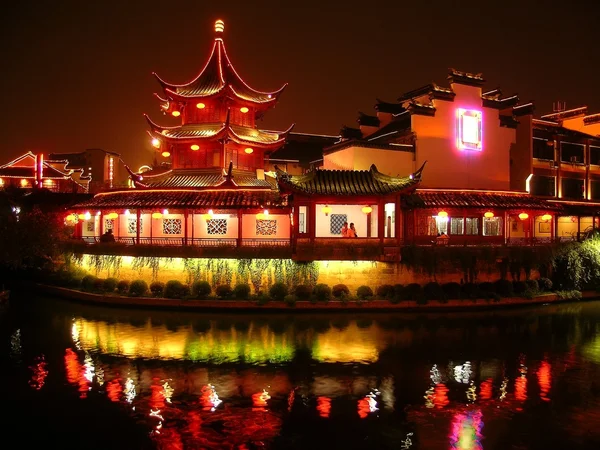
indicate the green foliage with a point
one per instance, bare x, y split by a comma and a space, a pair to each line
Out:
290, 300
303, 292
569, 294
88, 283
110, 285
123, 287
486, 286
200, 289
577, 265
519, 287
257, 269
241, 291
322, 292
364, 293
99, 285
174, 289
138, 288
157, 288
278, 291
528, 294
532, 285
433, 291
452, 290
385, 291
504, 288
399, 292
470, 290
340, 290
262, 299
413, 291
224, 291
544, 284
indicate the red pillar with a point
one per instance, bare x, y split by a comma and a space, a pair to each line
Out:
185, 219
240, 226
381, 221
138, 225
312, 221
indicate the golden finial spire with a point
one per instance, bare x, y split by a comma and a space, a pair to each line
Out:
219, 26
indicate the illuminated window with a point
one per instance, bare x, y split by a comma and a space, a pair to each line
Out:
472, 225
457, 225
469, 129
132, 225
266, 227
302, 212
109, 224
492, 226
216, 226
171, 226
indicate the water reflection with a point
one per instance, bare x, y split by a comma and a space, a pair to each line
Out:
395, 382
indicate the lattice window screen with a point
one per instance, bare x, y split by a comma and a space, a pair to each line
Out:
216, 226
266, 227
109, 224
132, 225
91, 226
337, 222
171, 226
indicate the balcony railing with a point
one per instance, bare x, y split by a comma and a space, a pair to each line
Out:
198, 242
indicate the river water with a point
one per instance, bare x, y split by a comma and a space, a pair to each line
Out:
77, 376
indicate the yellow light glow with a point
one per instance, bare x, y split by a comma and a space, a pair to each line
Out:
81, 216
155, 143
367, 209
87, 215
244, 110
248, 150
71, 218
166, 154
165, 211
523, 216
112, 215
263, 215
23, 182
200, 105
326, 209
442, 214
488, 215
1, 182
208, 215
127, 212
219, 26
546, 217
156, 215
175, 113
195, 147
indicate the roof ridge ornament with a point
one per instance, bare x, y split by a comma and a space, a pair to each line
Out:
219, 26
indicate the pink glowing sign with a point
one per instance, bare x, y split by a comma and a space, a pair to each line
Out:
469, 129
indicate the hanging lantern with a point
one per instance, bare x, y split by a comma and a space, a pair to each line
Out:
244, 110
546, 217
442, 214
112, 215
157, 215
195, 147
176, 113
166, 154
488, 215
326, 209
523, 216
249, 150
200, 105
209, 215
263, 215
71, 218
367, 209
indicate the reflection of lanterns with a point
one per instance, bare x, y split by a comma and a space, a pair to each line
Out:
523, 216
324, 406
166, 154
546, 217
155, 143
112, 215
176, 113
367, 209
248, 150
195, 147
263, 215
326, 209
157, 215
488, 215
200, 105
260, 400
244, 110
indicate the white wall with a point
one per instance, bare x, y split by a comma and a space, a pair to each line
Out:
354, 213
200, 226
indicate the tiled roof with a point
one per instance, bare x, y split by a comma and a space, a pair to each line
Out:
554, 129
193, 131
219, 76
471, 199
152, 198
392, 130
29, 172
367, 120
390, 108
346, 182
189, 178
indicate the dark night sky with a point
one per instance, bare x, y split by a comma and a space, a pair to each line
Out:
77, 74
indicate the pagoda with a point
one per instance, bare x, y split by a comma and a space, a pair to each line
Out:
218, 112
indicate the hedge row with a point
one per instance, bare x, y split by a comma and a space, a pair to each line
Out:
319, 293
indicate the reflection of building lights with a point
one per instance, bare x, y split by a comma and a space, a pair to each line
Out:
471, 394
75, 336
367, 405
435, 375
167, 391
544, 380
209, 398
15, 344
466, 431
503, 387
260, 400
38, 378
429, 397
129, 390
485, 391
440, 397
89, 369
75, 372
406, 443
462, 374
114, 390
324, 406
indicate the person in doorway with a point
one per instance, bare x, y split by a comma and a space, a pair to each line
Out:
345, 230
352, 231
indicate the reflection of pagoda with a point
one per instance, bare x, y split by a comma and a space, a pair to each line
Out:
218, 112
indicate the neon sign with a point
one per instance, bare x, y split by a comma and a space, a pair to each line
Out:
469, 129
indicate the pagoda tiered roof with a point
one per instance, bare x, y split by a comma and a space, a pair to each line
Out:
218, 78
204, 178
25, 167
347, 182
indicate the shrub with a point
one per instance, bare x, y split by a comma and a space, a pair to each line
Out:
486, 286
110, 285
386, 291
422, 301
88, 283
532, 285
262, 299
123, 287
495, 297
241, 291
504, 288
364, 293
322, 292
452, 290
138, 288
303, 292
290, 300
544, 284
340, 290
528, 294
174, 289
413, 291
157, 288
399, 291
99, 285
224, 291
519, 287
278, 291
200, 289
470, 290
572, 294
433, 291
